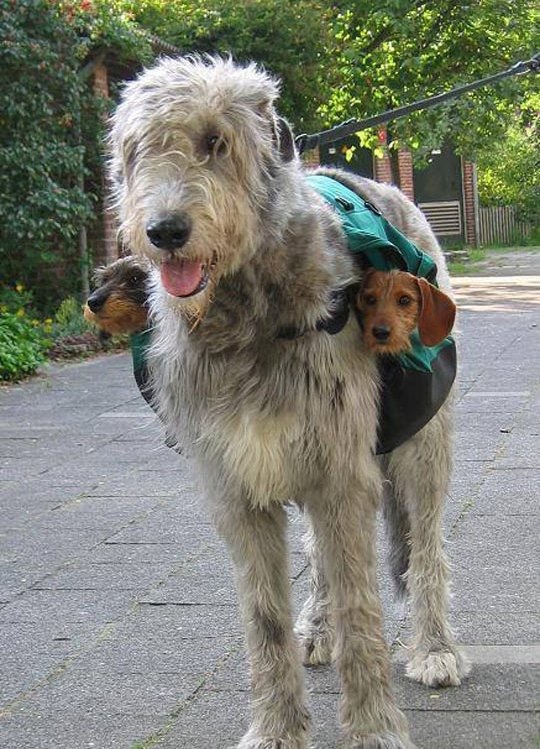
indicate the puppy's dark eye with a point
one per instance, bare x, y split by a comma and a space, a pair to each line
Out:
134, 280
214, 144
404, 300
370, 300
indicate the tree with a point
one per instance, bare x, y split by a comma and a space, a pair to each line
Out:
396, 51
289, 37
509, 170
41, 202
50, 137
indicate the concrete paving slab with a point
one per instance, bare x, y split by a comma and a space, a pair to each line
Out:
87, 576
493, 546
54, 608
510, 492
497, 627
58, 730
488, 730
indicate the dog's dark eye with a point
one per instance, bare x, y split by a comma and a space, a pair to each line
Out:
404, 300
215, 144
134, 280
370, 300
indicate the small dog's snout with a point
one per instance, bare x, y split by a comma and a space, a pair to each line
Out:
95, 301
169, 233
381, 332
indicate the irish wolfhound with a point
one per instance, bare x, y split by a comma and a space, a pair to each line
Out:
248, 262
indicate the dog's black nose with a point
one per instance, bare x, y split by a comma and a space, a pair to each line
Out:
96, 301
169, 233
381, 332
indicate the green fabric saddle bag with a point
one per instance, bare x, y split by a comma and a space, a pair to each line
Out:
414, 384
139, 344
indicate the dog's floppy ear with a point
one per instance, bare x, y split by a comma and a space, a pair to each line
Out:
437, 313
368, 274
284, 139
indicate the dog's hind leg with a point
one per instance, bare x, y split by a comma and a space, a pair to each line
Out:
419, 472
257, 542
314, 627
345, 530
398, 531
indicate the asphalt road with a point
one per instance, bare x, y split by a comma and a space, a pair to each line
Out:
118, 619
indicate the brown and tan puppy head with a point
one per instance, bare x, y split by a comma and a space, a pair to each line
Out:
394, 303
119, 303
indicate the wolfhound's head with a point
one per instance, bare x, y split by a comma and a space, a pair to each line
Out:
198, 154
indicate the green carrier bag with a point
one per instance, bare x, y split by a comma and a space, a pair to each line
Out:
140, 343
415, 384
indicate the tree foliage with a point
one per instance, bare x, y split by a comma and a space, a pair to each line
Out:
393, 52
354, 58
289, 37
509, 170
50, 135
41, 157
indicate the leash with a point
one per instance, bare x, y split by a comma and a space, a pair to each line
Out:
307, 142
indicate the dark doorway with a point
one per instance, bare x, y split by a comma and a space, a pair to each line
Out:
333, 154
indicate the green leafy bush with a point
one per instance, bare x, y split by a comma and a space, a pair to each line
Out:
16, 297
42, 201
68, 320
509, 169
21, 346
51, 135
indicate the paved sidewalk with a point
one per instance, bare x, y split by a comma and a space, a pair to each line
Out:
118, 620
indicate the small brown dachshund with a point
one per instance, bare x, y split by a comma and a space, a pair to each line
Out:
120, 302
394, 303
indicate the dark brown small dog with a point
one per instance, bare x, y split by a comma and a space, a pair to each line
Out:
394, 303
120, 302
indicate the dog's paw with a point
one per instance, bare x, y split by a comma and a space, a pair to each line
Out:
315, 646
438, 669
380, 741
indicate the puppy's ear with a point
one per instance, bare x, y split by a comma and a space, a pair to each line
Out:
437, 313
284, 139
368, 275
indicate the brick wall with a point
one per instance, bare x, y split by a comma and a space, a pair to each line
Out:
470, 203
382, 168
405, 168
107, 249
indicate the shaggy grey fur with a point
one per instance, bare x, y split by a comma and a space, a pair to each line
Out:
272, 420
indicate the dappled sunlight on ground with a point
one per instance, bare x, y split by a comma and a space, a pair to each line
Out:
497, 293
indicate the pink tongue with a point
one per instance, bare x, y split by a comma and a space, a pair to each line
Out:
181, 278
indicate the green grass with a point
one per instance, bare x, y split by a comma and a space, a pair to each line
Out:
477, 255
462, 267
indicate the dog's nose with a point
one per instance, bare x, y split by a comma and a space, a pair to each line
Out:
381, 332
95, 301
169, 233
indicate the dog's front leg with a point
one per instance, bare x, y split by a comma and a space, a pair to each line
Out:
257, 542
345, 528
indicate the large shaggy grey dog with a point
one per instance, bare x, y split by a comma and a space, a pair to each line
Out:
209, 188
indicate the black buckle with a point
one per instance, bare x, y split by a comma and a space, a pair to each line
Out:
372, 208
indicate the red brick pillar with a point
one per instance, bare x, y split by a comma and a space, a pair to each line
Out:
101, 88
405, 168
382, 168
470, 202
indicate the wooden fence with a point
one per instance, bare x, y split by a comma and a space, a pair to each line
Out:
498, 225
